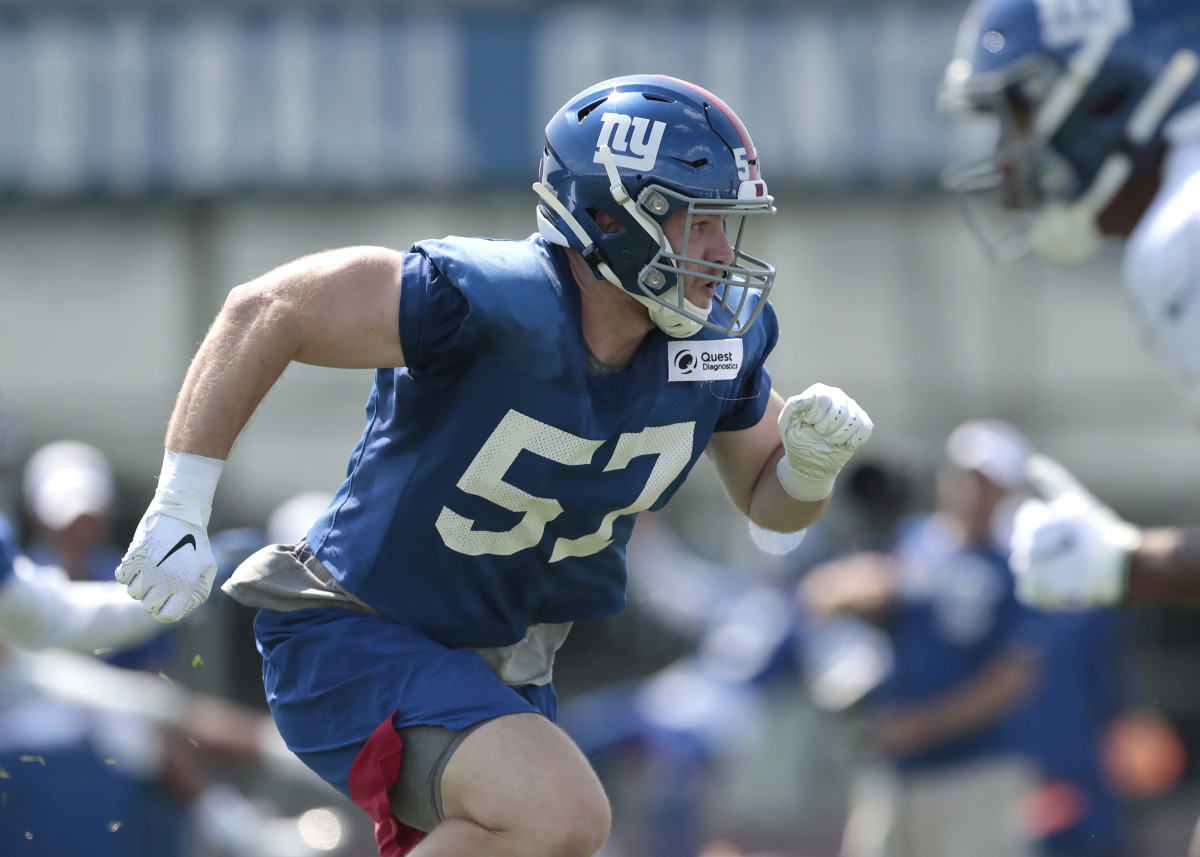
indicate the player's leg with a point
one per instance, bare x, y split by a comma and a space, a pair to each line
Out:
518, 785
379, 710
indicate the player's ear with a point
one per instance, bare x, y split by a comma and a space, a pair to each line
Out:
607, 224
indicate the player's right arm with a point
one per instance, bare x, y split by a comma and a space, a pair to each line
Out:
339, 308
1165, 568
1070, 550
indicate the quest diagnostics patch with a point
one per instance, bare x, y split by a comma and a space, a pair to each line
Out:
705, 360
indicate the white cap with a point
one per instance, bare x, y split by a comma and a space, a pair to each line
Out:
991, 447
65, 480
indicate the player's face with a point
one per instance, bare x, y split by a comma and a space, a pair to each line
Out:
703, 238
1025, 173
1015, 156
971, 499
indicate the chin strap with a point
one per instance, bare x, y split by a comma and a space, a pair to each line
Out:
671, 321
551, 233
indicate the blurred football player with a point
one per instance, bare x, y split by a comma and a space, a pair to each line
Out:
1098, 105
531, 397
70, 505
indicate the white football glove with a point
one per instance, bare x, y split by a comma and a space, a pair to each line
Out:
821, 428
169, 566
1069, 550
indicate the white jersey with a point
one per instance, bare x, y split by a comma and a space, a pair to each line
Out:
1162, 267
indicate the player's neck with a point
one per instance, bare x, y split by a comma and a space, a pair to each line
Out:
614, 324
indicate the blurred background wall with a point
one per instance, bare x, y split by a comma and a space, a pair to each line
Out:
155, 154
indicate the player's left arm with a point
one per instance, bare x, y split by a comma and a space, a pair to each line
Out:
780, 472
746, 460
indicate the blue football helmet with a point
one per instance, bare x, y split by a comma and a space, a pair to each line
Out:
1084, 90
640, 148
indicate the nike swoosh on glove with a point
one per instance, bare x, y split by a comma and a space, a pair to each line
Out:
820, 428
169, 566
1069, 550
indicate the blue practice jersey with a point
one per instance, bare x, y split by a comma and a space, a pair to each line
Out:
8, 550
957, 611
496, 482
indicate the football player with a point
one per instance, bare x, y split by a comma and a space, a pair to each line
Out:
1098, 106
531, 397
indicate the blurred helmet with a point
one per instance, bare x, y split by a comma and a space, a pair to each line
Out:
639, 149
1083, 91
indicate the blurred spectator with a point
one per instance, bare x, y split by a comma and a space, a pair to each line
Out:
140, 760
129, 753
70, 497
288, 523
661, 742
947, 777
844, 656
70, 503
133, 756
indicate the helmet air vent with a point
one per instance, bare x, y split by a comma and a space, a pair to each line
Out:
585, 110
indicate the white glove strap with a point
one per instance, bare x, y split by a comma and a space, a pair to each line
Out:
190, 478
801, 486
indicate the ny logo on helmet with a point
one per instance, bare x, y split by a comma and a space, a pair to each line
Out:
1067, 21
644, 142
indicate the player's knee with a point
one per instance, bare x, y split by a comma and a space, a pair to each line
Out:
579, 826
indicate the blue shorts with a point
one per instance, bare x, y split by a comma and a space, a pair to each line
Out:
333, 676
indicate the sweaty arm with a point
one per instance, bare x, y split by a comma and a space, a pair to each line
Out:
1165, 567
340, 309
781, 471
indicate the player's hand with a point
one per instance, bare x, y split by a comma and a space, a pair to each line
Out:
1069, 550
821, 428
169, 566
